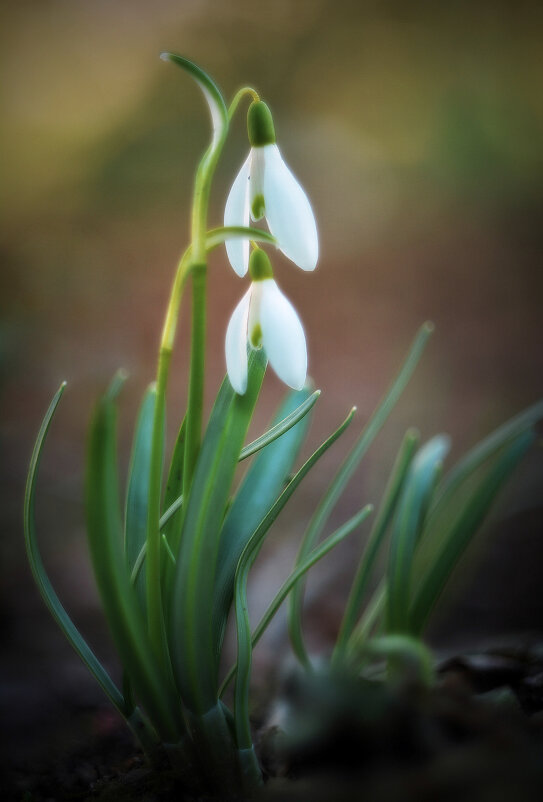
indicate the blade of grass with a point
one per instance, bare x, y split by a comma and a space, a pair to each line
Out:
40, 575
449, 495
135, 526
119, 599
217, 236
455, 538
367, 622
340, 481
124, 705
248, 556
375, 541
263, 483
407, 525
317, 554
191, 605
280, 428
171, 521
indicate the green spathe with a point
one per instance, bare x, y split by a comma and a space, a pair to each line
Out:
259, 265
260, 125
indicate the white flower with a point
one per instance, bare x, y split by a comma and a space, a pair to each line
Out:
265, 187
265, 318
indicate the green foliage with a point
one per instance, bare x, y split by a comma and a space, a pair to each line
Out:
171, 568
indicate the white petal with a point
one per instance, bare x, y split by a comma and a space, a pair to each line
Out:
283, 336
256, 183
288, 212
235, 345
236, 213
254, 309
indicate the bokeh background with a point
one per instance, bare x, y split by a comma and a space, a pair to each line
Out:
416, 129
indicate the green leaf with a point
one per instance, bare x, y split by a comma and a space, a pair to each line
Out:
135, 527
191, 611
336, 488
125, 705
454, 535
262, 484
482, 452
375, 540
42, 580
248, 556
406, 528
369, 621
172, 515
281, 427
317, 554
216, 236
121, 606
173, 502
212, 94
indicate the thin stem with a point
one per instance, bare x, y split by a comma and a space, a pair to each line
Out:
194, 259
197, 370
240, 94
202, 188
154, 596
153, 546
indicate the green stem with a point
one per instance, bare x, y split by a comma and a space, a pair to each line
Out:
194, 260
197, 370
153, 545
202, 188
240, 94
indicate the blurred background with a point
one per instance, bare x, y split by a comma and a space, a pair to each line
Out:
416, 130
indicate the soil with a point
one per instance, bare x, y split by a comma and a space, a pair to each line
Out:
476, 736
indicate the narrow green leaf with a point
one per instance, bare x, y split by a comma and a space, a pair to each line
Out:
168, 514
140, 559
368, 622
191, 611
457, 478
119, 598
279, 428
375, 540
42, 580
336, 488
491, 445
135, 527
246, 559
217, 236
317, 554
260, 488
212, 94
271, 475
454, 537
172, 516
406, 528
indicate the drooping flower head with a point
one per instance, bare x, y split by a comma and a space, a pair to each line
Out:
265, 318
265, 187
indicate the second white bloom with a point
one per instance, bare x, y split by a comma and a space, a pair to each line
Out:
265, 318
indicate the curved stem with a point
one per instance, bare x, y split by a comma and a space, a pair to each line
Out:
240, 94
194, 260
154, 596
197, 369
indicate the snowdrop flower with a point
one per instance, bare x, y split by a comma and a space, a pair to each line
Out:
265, 187
264, 318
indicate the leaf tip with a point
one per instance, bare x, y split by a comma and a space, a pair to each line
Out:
428, 327
165, 56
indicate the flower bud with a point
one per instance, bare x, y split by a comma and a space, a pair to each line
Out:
260, 125
259, 265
